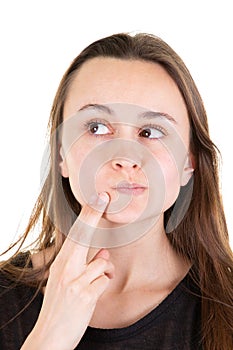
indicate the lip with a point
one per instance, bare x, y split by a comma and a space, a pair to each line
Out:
130, 188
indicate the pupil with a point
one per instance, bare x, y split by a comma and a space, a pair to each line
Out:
94, 128
146, 133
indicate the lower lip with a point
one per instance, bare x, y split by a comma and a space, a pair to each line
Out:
131, 191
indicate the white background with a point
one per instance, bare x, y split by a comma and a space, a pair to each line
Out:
40, 38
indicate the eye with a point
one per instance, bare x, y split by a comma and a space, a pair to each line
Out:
98, 128
152, 132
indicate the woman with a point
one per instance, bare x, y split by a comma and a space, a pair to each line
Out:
131, 154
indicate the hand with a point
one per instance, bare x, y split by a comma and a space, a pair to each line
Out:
73, 287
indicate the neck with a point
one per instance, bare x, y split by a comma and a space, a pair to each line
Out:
149, 261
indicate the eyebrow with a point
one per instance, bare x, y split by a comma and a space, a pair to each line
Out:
97, 107
143, 115
152, 114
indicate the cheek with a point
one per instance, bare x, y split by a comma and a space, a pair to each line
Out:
172, 185
171, 154
87, 178
171, 176
74, 161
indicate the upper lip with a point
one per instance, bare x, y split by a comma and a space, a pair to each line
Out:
129, 185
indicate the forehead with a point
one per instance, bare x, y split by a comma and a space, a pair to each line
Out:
110, 80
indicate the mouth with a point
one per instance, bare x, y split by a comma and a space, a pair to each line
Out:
130, 188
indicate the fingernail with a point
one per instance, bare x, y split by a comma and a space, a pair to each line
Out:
100, 199
103, 198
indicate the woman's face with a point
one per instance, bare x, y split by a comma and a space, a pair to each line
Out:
125, 132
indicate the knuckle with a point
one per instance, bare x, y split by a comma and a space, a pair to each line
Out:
103, 284
72, 289
111, 266
101, 263
66, 286
104, 281
86, 297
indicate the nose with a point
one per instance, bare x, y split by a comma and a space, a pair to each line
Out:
123, 164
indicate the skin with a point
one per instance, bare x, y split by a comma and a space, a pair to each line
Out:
90, 285
104, 81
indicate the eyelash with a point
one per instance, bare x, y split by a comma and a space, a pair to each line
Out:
153, 126
90, 123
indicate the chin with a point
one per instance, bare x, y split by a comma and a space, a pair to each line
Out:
124, 217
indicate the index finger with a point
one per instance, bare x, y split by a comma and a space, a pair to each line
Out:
83, 228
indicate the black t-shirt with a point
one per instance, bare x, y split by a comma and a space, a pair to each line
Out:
173, 325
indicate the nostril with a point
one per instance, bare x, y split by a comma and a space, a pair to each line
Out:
120, 164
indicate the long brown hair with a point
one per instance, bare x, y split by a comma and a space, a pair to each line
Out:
201, 236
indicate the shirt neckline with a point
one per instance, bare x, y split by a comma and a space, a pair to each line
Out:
116, 334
